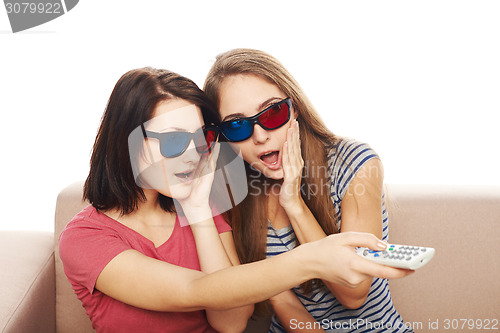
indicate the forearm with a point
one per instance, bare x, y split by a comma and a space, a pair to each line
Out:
144, 282
213, 257
232, 320
304, 224
292, 315
211, 252
307, 230
353, 298
235, 286
350, 298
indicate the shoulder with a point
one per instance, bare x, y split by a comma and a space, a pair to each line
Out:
87, 244
350, 153
89, 230
346, 158
89, 220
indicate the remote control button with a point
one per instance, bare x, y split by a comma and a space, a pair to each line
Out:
408, 258
376, 255
400, 257
423, 249
415, 253
365, 252
391, 257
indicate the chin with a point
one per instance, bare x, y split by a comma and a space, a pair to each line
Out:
180, 192
273, 174
165, 192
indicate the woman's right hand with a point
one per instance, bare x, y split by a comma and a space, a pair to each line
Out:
196, 205
334, 259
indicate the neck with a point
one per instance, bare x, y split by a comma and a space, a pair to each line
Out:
148, 213
274, 209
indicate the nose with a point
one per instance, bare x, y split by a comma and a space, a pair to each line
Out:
191, 155
259, 135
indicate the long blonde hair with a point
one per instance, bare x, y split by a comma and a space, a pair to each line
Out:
248, 219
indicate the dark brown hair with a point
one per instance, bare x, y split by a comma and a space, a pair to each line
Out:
110, 183
249, 220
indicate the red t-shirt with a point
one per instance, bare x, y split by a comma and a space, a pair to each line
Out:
92, 239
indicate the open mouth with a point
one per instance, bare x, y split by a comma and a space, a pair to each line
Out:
271, 159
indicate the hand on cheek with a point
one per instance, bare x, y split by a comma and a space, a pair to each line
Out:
196, 205
293, 164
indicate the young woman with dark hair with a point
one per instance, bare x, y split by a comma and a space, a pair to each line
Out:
305, 183
134, 264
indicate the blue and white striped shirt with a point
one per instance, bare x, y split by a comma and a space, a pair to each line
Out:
377, 313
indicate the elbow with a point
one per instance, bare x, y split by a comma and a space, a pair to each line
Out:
227, 322
249, 309
189, 298
236, 326
352, 298
352, 303
233, 328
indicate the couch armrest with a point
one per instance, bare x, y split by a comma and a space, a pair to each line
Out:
461, 282
27, 282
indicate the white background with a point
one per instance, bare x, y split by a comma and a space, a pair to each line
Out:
418, 80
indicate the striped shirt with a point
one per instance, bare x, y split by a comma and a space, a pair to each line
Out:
378, 313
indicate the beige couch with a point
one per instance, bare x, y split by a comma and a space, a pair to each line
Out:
461, 282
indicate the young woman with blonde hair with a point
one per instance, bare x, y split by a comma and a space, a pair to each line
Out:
305, 183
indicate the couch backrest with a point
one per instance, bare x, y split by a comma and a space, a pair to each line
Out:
461, 282
70, 314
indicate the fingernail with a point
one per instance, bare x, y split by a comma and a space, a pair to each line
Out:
382, 245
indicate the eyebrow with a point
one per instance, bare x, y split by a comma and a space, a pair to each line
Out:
262, 106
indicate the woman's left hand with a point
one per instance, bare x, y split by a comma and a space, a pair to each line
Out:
292, 164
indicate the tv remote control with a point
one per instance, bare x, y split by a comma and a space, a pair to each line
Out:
400, 256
